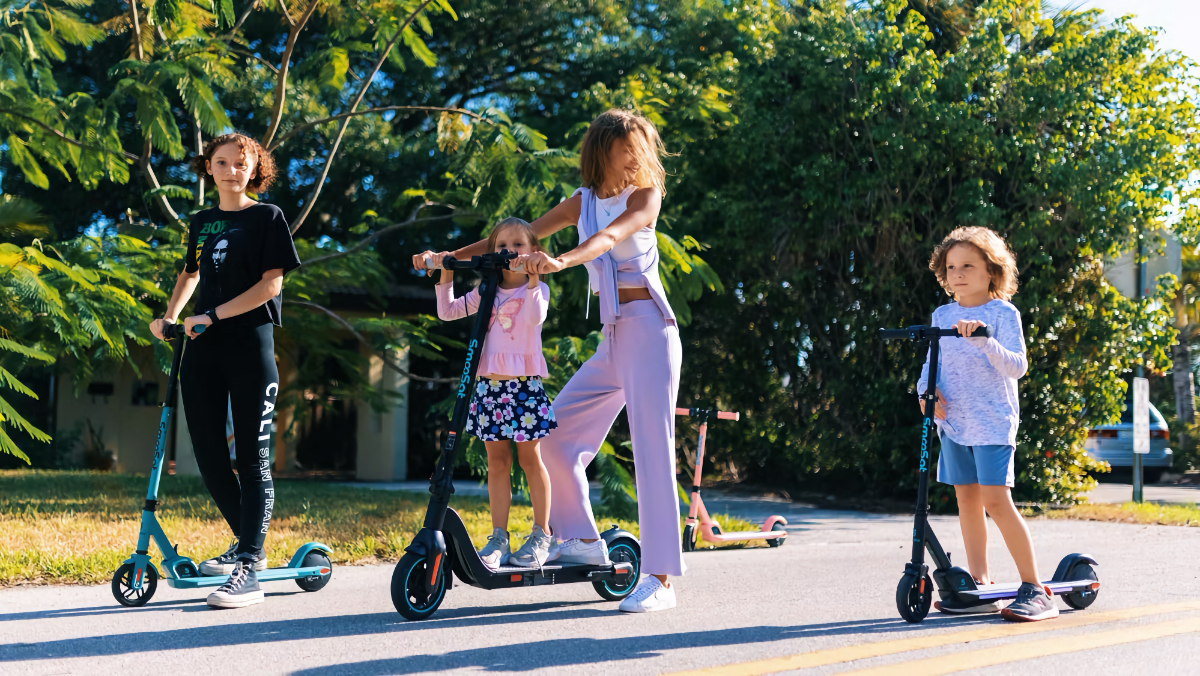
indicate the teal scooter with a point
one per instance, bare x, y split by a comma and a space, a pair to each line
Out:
136, 580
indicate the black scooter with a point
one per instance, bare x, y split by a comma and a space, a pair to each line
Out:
422, 577
1074, 580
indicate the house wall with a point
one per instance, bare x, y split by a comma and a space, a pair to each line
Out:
383, 437
129, 430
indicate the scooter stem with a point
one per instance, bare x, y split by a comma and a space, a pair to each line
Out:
921, 521
695, 506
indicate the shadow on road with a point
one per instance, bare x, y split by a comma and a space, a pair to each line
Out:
184, 605
561, 653
573, 652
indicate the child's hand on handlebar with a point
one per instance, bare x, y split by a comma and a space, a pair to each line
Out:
158, 326
966, 327
434, 258
189, 324
939, 407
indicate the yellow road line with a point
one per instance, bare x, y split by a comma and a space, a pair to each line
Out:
820, 658
988, 657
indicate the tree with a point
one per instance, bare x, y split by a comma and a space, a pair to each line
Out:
862, 145
124, 92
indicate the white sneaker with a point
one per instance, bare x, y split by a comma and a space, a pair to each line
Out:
649, 596
496, 552
578, 551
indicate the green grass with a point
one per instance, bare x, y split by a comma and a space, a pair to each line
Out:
77, 527
1147, 513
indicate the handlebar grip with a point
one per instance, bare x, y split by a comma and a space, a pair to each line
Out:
173, 331
683, 411
892, 334
982, 332
427, 263
728, 415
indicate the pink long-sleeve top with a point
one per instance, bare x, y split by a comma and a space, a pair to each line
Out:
513, 346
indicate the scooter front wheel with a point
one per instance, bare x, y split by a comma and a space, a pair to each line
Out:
914, 595
689, 538
408, 588
122, 586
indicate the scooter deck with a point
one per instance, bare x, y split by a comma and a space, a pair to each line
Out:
268, 575
470, 569
993, 592
745, 535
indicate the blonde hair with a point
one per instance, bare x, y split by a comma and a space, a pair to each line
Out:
508, 224
1001, 263
644, 142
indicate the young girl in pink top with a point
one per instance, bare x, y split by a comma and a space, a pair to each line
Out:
510, 405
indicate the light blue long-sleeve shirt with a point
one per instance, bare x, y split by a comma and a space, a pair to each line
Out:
978, 376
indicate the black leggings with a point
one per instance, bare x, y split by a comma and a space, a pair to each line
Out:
234, 367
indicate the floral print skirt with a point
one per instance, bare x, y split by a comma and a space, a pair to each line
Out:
514, 410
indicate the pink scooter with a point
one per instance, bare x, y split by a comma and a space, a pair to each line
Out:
710, 531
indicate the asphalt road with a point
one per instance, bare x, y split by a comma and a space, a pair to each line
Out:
823, 602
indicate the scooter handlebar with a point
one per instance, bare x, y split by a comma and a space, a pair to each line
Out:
923, 332
173, 331
721, 415
451, 263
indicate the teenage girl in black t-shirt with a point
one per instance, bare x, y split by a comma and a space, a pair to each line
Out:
237, 254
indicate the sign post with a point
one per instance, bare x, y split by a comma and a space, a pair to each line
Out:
1141, 431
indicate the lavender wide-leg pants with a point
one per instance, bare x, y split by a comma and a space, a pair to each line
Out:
636, 365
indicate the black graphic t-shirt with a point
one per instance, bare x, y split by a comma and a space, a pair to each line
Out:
232, 250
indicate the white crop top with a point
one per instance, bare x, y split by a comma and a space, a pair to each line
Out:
640, 242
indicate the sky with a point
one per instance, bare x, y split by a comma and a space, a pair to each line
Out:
1178, 20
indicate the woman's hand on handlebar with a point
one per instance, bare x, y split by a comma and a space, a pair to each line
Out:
966, 327
939, 407
158, 325
538, 263
190, 323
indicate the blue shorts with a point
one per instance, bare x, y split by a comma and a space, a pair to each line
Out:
986, 465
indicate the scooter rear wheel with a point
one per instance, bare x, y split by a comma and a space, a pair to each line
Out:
914, 596
314, 583
689, 538
777, 542
1081, 599
122, 586
408, 588
621, 550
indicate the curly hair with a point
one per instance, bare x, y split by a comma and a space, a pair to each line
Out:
264, 166
1001, 263
644, 142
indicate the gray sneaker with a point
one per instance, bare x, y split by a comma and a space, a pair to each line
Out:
535, 551
1032, 604
223, 564
496, 552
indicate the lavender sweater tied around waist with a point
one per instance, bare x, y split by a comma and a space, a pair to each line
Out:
978, 376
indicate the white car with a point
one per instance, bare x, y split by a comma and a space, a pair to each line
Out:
1114, 444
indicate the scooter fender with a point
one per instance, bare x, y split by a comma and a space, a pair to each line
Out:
140, 563
432, 545
953, 580
298, 558
613, 534
1069, 562
769, 525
